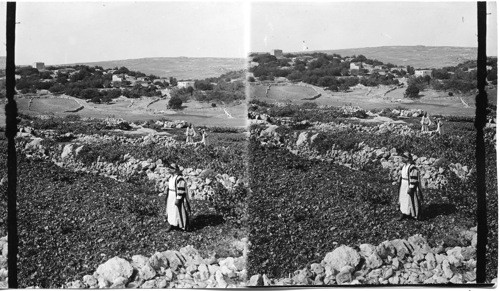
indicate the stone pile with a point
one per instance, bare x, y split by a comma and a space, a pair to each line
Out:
398, 261
408, 112
4, 248
165, 124
169, 269
114, 122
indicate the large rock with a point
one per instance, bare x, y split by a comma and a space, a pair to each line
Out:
114, 268
341, 257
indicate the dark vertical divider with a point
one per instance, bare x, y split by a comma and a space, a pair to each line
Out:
10, 132
480, 122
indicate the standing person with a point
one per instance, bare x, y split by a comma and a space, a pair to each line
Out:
426, 121
410, 190
204, 137
439, 129
177, 207
190, 134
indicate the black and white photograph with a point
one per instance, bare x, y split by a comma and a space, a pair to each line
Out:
233, 144
362, 149
131, 144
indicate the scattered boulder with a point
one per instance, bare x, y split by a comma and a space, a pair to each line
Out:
341, 257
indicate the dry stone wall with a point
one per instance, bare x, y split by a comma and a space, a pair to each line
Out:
398, 261
432, 169
200, 181
168, 269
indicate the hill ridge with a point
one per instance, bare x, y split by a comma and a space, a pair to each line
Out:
418, 56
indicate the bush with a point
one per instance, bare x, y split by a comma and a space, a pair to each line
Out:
412, 91
175, 103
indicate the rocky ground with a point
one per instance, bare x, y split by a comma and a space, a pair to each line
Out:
400, 261
169, 269
396, 262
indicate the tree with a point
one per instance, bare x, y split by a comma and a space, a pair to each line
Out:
427, 78
173, 81
190, 90
89, 93
175, 103
412, 91
410, 70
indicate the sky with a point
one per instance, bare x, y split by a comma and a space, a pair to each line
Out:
340, 25
70, 32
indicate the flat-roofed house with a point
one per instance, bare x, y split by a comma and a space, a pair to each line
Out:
185, 84
423, 73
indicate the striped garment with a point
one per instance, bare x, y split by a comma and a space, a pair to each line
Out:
410, 191
178, 209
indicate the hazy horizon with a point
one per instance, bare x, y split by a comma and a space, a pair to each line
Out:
59, 33
82, 32
314, 26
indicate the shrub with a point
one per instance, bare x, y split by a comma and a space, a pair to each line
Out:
175, 103
412, 91
96, 99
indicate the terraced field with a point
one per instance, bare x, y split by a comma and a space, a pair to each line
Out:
287, 93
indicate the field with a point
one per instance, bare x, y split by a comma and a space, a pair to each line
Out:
287, 93
139, 110
370, 98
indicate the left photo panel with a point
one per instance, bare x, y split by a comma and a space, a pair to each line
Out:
131, 145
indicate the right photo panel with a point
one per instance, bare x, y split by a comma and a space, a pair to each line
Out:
362, 143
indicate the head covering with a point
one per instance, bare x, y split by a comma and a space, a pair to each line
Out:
174, 167
408, 156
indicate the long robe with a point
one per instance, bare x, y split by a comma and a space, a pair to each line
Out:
426, 121
439, 129
178, 215
410, 204
190, 134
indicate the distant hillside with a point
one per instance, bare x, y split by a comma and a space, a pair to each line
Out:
416, 56
180, 68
